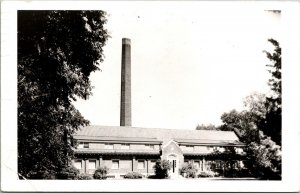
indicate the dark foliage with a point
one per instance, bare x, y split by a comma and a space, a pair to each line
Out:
101, 173
133, 175
84, 177
273, 122
68, 173
57, 51
237, 173
161, 169
206, 127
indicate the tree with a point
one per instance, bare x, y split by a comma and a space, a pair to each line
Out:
265, 158
206, 127
263, 154
260, 119
243, 123
161, 169
57, 51
272, 127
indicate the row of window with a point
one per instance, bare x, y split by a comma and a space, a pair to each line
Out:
215, 164
126, 146
141, 164
111, 146
210, 148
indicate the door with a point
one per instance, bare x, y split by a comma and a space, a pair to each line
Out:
173, 160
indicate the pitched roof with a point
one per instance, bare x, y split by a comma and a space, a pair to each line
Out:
138, 134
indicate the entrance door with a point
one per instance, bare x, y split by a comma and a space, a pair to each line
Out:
173, 160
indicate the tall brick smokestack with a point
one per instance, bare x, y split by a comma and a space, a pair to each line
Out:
125, 114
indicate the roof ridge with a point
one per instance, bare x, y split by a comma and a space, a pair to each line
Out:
159, 128
120, 136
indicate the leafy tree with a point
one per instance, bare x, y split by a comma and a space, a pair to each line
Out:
206, 127
272, 127
57, 51
242, 123
68, 173
263, 154
262, 118
264, 158
161, 169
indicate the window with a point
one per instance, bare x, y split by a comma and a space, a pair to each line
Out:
109, 146
125, 146
78, 164
189, 148
92, 164
241, 164
239, 150
141, 164
151, 164
210, 148
217, 164
83, 145
115, 164
149, 146
197, 164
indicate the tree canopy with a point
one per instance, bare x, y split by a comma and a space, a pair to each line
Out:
57, 51
273, 125
206, 127
259, 125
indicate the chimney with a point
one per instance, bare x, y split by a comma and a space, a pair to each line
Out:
125, 114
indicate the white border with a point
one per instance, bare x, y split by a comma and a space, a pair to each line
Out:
291, 109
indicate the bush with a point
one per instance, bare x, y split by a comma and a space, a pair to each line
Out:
84, 177
207, 174
43, 174
68, 173
189, 170
161, 169
101, 173
133, 175
237, 173
152, 177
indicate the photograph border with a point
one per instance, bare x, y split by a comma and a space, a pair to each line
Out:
290, 125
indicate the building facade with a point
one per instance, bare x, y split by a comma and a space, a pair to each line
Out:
125, 148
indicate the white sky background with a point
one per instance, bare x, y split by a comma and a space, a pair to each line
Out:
191, 62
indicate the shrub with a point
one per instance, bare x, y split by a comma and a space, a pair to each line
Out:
237, 173
189, 170
84, 177
152, 177
69, 173
43, 174
207, 174
161, 169
133, 175
101, 173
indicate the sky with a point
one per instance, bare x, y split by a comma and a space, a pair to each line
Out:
191, 62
